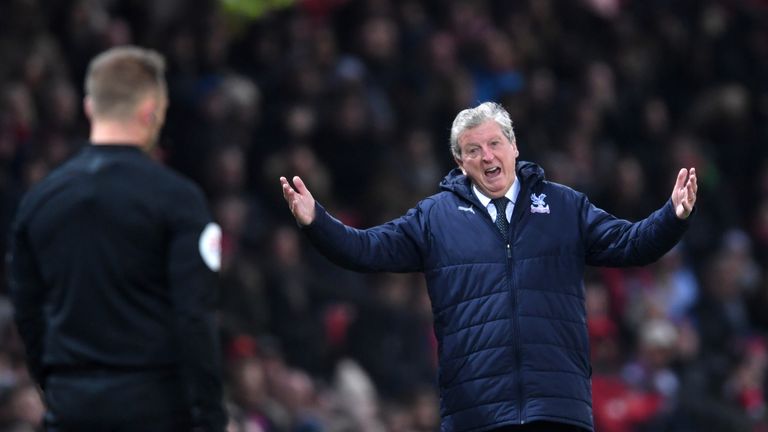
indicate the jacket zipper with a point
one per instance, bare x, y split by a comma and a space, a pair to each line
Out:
515, 301
517, 217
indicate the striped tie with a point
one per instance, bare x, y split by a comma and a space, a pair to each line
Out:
501, 215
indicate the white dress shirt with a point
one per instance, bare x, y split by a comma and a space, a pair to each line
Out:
511, 195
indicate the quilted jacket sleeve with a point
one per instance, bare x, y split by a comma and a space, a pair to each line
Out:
395, 246
615, 242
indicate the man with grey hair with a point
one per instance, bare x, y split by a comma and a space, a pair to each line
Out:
503, 251
112, 261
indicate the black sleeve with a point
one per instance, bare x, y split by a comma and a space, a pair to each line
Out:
27, 293
192, 285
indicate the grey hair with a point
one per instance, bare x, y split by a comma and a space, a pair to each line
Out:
473, 117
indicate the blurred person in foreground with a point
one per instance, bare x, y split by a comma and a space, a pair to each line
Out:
113, 262
503, 251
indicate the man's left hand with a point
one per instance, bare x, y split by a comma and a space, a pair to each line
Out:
684, 193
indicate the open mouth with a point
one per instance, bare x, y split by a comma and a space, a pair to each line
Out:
493, 172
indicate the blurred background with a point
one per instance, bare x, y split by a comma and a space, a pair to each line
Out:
611, 97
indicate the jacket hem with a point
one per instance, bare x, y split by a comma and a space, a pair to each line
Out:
551, 418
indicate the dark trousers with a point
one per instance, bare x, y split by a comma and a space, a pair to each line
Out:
109, 401
541, 426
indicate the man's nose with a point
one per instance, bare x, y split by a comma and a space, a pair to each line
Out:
487, 154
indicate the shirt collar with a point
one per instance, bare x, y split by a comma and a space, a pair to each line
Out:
511, 193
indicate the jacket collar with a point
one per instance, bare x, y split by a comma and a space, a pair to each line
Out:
528, 174
511, 194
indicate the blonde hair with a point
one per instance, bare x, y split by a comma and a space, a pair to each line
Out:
120, 77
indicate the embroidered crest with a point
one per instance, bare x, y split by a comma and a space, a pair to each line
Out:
467, 209
538, 205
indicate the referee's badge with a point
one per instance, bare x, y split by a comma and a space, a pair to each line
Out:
210, 246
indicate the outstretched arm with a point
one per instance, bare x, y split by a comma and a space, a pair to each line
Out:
615, 242
684, 193
394, 246
299, 200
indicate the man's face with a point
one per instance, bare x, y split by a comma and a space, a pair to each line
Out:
488, 158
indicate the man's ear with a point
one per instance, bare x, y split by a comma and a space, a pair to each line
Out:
147, 111
88, 107
460, 163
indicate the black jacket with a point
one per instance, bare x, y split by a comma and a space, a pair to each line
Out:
108, 271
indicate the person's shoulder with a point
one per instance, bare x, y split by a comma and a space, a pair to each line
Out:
437, 205
175, 179
435, 199
559, 188
39, 192
558, 192
177, 196
174, 185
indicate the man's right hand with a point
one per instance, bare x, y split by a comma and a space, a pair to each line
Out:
299, 200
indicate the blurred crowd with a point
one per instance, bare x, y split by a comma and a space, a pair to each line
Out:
611, 97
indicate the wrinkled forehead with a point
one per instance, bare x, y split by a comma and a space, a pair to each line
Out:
481, 133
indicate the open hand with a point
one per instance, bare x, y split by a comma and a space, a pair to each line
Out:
299, 200
684, 193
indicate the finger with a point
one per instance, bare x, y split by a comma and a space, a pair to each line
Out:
691, 198
289, 195
681, 176
684, 196
284, 183
687, 206
694, 180
288, 192
301, 188
692, 183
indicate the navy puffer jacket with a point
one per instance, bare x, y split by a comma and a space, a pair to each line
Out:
509, 313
